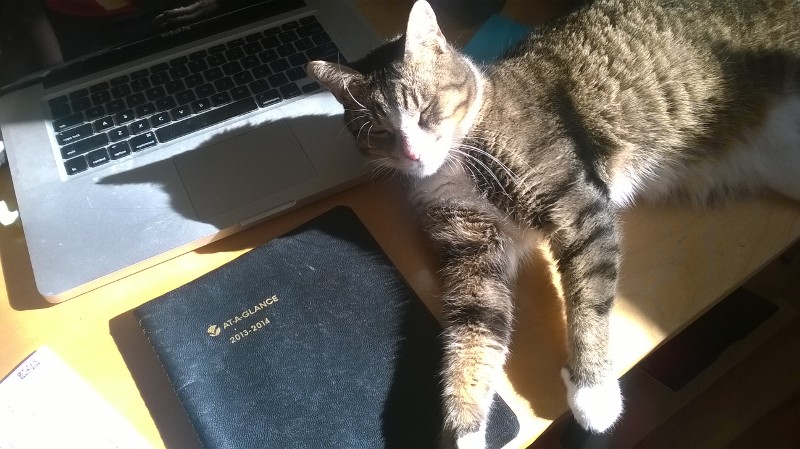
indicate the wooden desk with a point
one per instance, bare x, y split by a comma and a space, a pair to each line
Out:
677, 263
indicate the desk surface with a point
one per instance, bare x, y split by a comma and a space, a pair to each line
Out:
677, 262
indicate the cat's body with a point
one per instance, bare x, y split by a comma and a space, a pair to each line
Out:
615, 102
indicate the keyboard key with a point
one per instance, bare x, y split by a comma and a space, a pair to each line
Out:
259, 86
268, 98
103, 124
76, 165
136, 99
180, 112
268, 56
139, 126
154, 93
159, 78
216, 60
145, 110
297, 59
224, 84
84, 146
286, 50
252, 48
80, 93
74, 134
101, 86
81, 104
232, 67
166, 103
120, 80
304, 44
270, 42
187, 96
124, 116
123, 90
60, 110
115, 106
214, 73
290, 91
321, 38
248, 62
234, 53
119, 150
197, 66
101, 97
118, 134
67, 122
160, 119
194, 80
174, 86
322, 51
235, 43
143, 141
212, 117
197, 55
243, 77
220, 98
160, 67
139, 74
288, 36
204, 90
239, 92
280, 65
309, 29
200, 105
310, 87
140, 84
278, 79
58, 100
97, 157
290, 25
180, 60
179, 72
217, 49
262, 71
295, 73
253, 37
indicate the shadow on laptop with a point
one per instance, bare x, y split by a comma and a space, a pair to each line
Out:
244, 173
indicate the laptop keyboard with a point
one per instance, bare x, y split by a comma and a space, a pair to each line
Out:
116, 118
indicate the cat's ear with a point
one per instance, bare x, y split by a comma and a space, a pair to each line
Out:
336, 78
424, 39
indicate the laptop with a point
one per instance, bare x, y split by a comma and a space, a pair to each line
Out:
139, 130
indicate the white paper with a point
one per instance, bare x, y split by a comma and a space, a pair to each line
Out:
45, 404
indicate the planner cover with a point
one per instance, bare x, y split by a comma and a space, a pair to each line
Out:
311, 340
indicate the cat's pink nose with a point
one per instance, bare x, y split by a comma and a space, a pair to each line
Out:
408, 151
411, 154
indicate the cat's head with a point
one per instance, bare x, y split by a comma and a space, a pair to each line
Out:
408, 103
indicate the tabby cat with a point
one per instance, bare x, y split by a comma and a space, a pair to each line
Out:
616, 101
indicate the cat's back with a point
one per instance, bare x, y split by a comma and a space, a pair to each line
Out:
641, 83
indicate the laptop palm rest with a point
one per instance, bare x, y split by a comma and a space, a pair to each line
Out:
243, 169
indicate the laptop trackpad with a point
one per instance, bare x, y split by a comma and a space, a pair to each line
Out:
244, 168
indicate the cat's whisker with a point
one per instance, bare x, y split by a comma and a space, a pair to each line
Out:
516, 179
468, 158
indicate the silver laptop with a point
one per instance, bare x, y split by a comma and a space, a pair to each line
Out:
152, 128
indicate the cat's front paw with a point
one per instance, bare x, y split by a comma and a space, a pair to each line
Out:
597, 407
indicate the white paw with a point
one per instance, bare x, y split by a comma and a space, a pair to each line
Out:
474, 440
596, 408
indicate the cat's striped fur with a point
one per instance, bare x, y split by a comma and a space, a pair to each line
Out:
617, 100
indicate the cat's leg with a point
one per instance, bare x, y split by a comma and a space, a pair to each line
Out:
585, 243
478, 263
